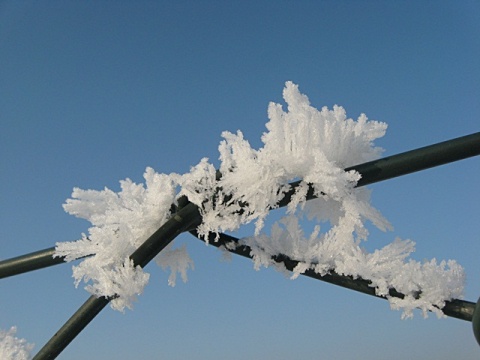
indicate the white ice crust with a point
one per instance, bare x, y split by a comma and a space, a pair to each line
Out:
302, 143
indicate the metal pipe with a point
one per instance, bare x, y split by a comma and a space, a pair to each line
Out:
29, 262
418, 159
186, 219
406, 163
476, 322
72, 328
372, 172
456, 308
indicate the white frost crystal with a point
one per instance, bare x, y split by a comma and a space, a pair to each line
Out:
177, 260
121, 223
13, 348
302, 143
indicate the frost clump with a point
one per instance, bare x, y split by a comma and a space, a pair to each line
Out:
426, 285
121, 223
303, 143
177, 260
13, 348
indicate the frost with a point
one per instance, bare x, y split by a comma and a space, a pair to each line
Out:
13, 348
120, 283
425, 285
121, 223
177, 260
304, 143
301, 144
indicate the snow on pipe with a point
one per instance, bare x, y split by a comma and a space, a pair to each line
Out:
188, 218
407, 162
185, 219
460, 309
372, 172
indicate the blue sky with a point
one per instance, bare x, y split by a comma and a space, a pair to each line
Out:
94, 92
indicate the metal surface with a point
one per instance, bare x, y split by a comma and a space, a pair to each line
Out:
72, 328
29, 262
188, 218
476, 322
407, 162
456, 308
185, 219
372, 172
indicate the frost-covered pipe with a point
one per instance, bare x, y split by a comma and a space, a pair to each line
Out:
407, 162
372, 172
186, 219
460, 309
418, 159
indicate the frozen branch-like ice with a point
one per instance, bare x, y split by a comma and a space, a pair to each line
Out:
301, 143
13, 348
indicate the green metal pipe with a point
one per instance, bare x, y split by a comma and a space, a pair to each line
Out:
29, 262
406, 163
476, 322
72, 328
186, 219
372, 172
418, 159
456, 308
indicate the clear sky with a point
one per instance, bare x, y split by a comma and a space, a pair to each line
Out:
94, 92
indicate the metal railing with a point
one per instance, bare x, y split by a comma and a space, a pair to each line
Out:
187, 217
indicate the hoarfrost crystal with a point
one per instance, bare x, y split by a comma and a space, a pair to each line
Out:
13, 348
177, 260
303, 143
121, 223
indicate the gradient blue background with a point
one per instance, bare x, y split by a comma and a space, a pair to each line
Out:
92, 92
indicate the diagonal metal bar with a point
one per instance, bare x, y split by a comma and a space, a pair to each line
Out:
186, 219
456, 308
419, 159
29, 262
386, 168
372, 172
406, 163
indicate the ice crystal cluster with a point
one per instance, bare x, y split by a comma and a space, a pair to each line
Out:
13, 348
302, 143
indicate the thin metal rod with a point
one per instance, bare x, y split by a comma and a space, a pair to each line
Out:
418, 159
72, 328
186, 219
29, 262
406, 163
372, 172
476, 322
456, 308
